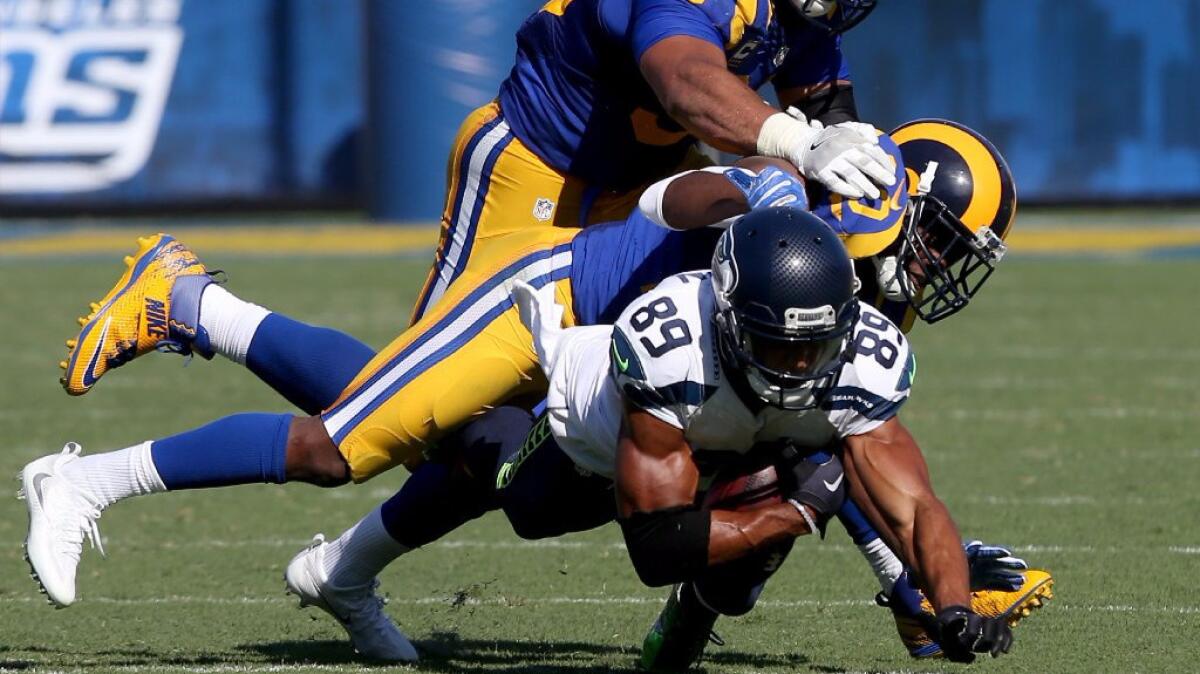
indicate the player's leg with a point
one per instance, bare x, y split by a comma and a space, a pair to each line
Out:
339, 576
470, 352
167, 301
545, 494
65, 493
494, 186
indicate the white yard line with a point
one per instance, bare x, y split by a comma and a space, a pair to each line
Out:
516, 601
555, 544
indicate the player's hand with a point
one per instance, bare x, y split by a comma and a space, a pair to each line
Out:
816, 480
770, 188
846, 162
845, 157
962, 633
994, 567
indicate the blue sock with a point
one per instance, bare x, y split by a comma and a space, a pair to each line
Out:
856, 523
440, 497
240, 449
308, 365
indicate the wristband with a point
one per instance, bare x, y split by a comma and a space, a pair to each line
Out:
808, 519
784, 137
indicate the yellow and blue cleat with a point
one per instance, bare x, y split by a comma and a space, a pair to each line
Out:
155, 305
913, 612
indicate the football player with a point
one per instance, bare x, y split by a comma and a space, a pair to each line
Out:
607, 96
769, 352
443, 496
166, 300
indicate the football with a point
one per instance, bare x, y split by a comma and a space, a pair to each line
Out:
742, 490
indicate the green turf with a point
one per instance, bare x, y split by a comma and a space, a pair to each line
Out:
1054, 414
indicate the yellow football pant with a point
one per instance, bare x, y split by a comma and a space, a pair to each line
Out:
468, 353
494, 186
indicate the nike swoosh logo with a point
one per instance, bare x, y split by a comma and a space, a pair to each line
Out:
622, 363
89, 377
37, 485
817, 144
832, 486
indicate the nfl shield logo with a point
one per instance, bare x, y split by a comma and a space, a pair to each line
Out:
543, 210
780, 56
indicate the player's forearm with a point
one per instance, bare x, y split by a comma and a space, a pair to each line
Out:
937, 555
734, 534
715, 106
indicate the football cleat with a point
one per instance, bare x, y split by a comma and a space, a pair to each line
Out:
358, 609
154, 305
912, 611
679, 635
61, 515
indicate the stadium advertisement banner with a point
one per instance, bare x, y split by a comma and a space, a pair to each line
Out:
153, 103
85, 85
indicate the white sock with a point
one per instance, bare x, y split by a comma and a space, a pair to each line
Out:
113, 476
230, 322
361, 552
886, 565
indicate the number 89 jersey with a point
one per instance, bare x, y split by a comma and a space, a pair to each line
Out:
665, 361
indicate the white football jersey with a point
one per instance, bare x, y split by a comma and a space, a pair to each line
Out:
662, 357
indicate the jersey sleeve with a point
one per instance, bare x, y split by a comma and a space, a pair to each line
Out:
813, 57
654, 357
877, 381
655, 20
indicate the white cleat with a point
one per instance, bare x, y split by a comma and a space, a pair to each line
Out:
61, 515
358, 609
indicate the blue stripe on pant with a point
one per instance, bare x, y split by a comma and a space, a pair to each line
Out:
440, 331
455, 249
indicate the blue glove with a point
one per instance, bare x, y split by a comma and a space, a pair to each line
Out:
993, 567
771, 187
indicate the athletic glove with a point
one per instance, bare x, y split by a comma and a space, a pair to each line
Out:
994, 567
846, 158
815, 480
962, 633
770, 188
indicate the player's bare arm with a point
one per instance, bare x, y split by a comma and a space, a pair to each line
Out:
657, 479
691, 79
888, 477
702, 198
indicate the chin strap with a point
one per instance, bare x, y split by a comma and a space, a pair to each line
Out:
886, 275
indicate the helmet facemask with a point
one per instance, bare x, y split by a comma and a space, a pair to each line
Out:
835, 16
942, 263
788, 368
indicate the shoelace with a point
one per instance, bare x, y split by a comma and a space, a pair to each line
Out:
72, 533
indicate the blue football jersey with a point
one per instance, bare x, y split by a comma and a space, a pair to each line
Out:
577, 99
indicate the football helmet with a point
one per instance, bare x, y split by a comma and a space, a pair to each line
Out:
835, 16
785, 304
962, 201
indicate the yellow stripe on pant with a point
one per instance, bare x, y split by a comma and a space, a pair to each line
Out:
468, 353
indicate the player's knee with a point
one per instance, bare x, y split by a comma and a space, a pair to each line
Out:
312, 456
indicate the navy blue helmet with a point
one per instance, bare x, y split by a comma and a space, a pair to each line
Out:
785, 304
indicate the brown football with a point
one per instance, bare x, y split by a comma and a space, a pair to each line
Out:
744, 491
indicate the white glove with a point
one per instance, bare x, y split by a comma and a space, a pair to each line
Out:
845, 157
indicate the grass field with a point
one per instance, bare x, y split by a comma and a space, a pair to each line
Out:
1057, 414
